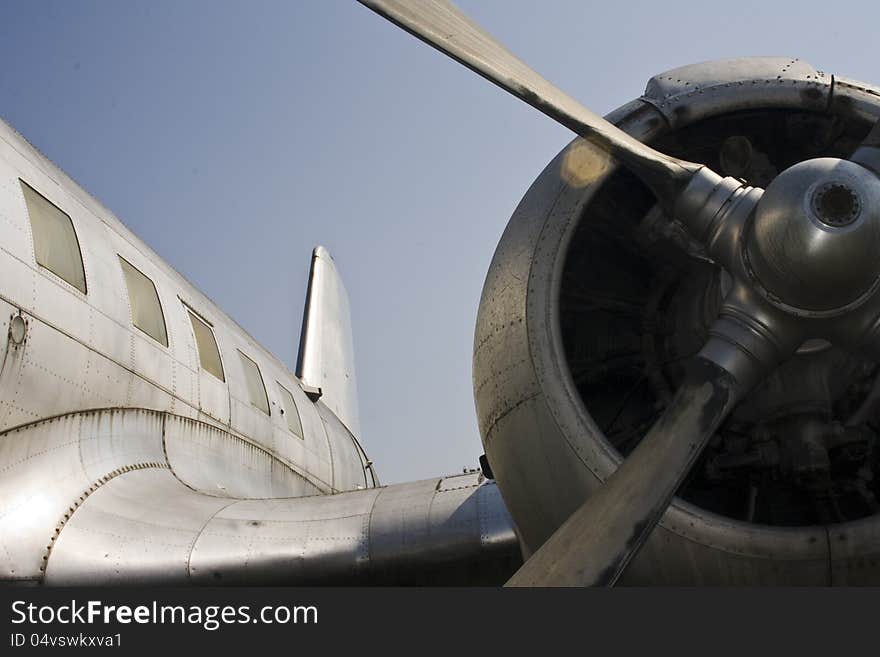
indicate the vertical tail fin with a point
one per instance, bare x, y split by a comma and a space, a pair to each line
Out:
326, 350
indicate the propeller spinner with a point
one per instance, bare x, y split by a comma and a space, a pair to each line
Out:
801, 257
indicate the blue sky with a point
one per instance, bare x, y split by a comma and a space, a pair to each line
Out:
269, 127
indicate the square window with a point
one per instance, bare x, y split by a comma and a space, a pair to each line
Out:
290, 412
55, 244
146, 310
256, 388
209, 355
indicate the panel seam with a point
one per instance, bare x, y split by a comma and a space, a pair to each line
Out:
78, 502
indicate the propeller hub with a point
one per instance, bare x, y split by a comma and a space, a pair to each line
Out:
814, 243
835, 204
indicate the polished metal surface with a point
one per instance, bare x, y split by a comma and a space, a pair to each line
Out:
755, 329
694, 92
530, 409
81, 351
326, 349
147, 528
125, 461
816, 234
51, 465
79, 382
142, 497
421, 532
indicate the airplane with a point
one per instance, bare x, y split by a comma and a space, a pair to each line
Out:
674, 367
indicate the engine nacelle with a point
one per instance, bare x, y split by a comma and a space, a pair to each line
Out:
591, 306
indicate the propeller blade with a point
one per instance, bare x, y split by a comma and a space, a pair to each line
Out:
441, 24
868, 152
873, 138
593, 547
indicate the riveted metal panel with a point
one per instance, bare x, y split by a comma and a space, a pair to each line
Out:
49, 466
467, 480
13, 216
348, 467
454, 521
152, 361
318, 460
213, 396
310, 450
143, 393
401, 521
110, 330
468, 518
854, 98
308, 509
497, 531
105, 383
137, 528
52, 466
109, 383
40, 478
186, 390
61, 305
296, 450
693, 92
11, 412
49, 381
285, 541
111, 343
7, 312
218, 463
376, 535
696, 547
541, 500
115, 437
247, 419
18, 281
115, 513
184, 360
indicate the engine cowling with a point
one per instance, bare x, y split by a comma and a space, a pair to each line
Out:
590, 307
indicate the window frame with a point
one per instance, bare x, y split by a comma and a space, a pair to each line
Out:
85, 285
193, 314
267, 410
284, 410
125, 260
